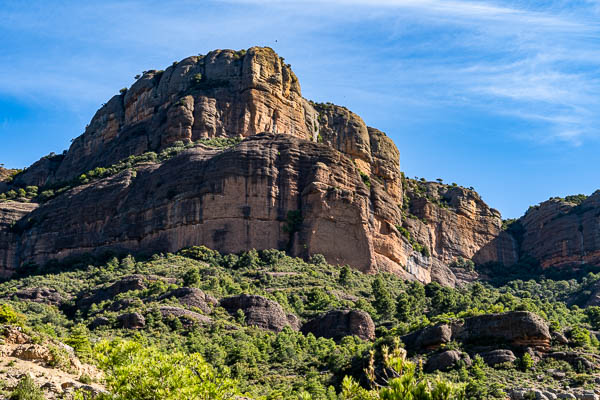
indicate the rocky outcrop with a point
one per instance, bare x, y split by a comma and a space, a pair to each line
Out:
348, 190
519, 329
231, 201
499, 356
131, 320
260, 312
187, 317
123, 285
454, 223
562, 233
337, 324
447, 360
10, 213
192, 297
40, 295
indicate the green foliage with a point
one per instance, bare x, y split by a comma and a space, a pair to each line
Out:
141, 372
383, 303
293, 221
287, 364
27, 390
9, 316
463, 263
526, 363
593, 315
365, 178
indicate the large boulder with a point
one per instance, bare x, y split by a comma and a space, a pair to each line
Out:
446, 360
499, 356
192, 297
519, 329
337, 324
429, 338
131, 320
259, 311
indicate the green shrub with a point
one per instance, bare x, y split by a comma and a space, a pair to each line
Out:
27, 390
9, 316
141, 372
366, 179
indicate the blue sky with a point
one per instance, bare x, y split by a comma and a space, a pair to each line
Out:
503, 96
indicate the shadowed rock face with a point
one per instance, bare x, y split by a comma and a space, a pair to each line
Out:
338, 324
558, 233
519, 329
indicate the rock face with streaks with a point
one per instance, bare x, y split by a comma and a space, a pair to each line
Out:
561, 233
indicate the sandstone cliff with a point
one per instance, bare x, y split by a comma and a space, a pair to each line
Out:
562, 233
318, 181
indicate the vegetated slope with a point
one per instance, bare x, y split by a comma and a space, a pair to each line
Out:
251, 317
351, 188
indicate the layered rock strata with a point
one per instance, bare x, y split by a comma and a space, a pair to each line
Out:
339, 178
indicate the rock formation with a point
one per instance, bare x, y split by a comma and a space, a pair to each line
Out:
337, 324
192, 297
308, 178
259, 311
561, 233
519, 330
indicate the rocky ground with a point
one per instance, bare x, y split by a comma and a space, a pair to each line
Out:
51, 365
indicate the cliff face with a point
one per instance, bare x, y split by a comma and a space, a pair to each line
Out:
319, 181
230, 200
454, 223
560, 233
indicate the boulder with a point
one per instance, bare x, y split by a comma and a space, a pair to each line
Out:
40, 295
446, 360
429, 338
573, 358
519, 329
15, 335
337, 324
123, 285
187, 317
192, 297
132, 320
98, 322
500, 356
259, 311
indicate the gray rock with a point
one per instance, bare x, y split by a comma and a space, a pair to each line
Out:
131, 320
338, 324
259, 311
192, 297
495, 357
446, 360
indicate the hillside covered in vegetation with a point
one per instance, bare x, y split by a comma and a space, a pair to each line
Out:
198, 324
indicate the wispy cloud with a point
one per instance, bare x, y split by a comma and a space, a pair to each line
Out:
537, 61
